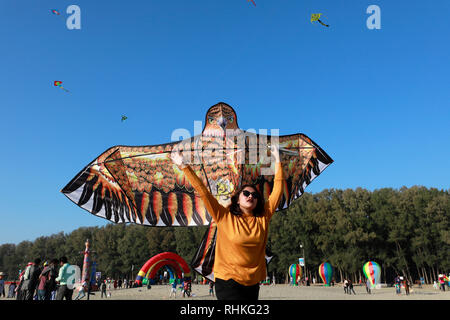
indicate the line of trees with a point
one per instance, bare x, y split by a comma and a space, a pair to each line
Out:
407, 231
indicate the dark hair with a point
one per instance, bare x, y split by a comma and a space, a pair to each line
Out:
54, 261
234, 206
37, 261
63, 260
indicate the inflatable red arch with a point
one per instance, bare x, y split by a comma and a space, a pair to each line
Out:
151, 267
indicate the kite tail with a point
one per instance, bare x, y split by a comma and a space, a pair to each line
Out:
326, 25
203, 261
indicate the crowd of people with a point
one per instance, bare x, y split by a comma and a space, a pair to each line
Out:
106, 286
400, 282
348, 287
185, 287
42, 281
49, 280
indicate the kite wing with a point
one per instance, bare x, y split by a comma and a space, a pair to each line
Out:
142, 185
139, 185
302, 160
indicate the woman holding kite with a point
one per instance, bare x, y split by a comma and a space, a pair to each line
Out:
242, 231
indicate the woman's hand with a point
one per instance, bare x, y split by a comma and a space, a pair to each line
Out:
275, 152
177, 158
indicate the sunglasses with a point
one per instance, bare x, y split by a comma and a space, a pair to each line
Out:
247, 193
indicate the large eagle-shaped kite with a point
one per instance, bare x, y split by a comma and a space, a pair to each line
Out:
142, 185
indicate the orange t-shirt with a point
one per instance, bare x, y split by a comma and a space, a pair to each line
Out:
241, 240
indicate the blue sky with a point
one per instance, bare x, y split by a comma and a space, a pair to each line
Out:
376, 100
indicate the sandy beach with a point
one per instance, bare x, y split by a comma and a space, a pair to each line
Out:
281, 292
276, 292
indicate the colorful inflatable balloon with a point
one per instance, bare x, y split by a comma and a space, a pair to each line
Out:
151, 267
326, 273
295, 271
372, 271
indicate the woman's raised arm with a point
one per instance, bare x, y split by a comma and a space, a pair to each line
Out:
214, 208
277, 191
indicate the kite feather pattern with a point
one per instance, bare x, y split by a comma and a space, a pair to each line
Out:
141, 184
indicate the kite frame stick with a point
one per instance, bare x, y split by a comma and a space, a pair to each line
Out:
282, 150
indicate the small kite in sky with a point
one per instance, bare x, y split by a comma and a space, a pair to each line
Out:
124, 118
316, 17
59, 84
252, 2
56, 13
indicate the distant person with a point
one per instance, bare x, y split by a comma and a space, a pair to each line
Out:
368, 285
345, 286
397, 282
442, 282
2, 286
31, 280
211, 288
19, 290
187, 288
82, 291
103, 289
406, 286
422, 282
350, 287
12, 290
65, 290
435, 285
41, 289
174, 288
50, 285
